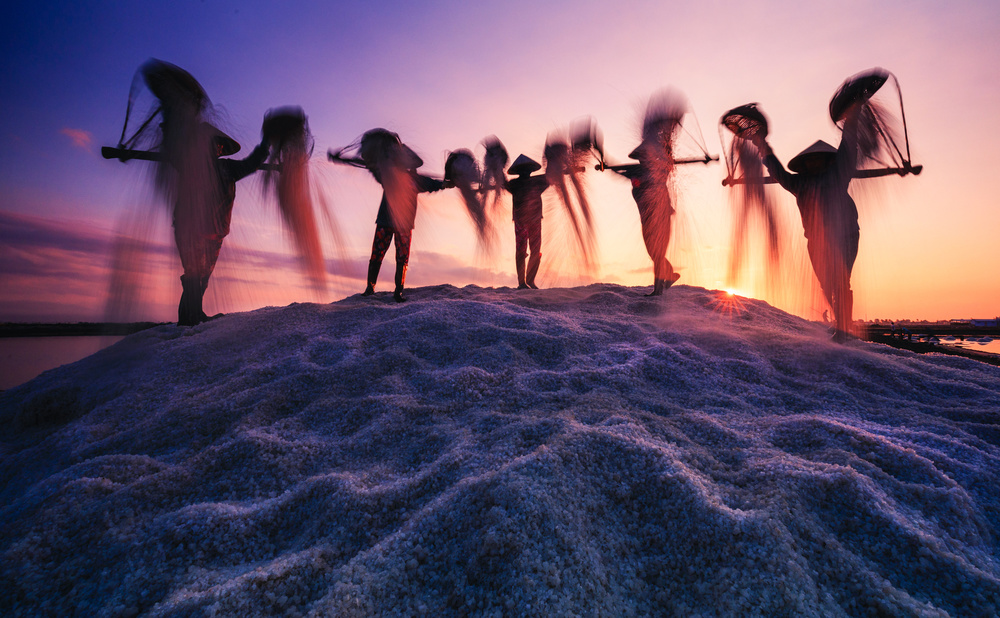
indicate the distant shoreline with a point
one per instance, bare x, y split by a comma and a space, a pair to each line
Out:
112, 329
922, 347
77, 329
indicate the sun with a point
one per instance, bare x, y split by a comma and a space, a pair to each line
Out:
728, 301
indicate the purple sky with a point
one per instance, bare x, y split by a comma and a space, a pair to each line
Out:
447, 74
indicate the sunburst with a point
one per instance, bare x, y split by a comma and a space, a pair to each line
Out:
727, 302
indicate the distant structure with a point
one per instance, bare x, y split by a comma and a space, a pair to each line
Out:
992, 323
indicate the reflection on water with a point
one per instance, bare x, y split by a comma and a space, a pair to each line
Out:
23, 358
992, 346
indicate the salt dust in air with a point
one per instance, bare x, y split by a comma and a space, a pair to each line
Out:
291, 145
171, 121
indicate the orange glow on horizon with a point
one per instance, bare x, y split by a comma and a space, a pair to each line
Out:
926, 251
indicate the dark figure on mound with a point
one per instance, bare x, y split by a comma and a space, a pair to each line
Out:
199, 231
526, 191
829, 215
652, 197
394, 165
190, 174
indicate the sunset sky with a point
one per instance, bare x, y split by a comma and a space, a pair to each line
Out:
447, 74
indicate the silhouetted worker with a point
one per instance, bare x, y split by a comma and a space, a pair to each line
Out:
829, 215
652, 197
200, 186
394, 165
199, 228
526, 191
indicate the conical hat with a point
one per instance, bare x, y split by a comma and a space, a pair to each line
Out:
229, 145
646, 150
818, 149
411, 160
377, 145
523, 165
172, 85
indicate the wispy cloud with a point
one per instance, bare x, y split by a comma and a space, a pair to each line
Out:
36, 233
50, 269
53, 270
80, 138
432, 268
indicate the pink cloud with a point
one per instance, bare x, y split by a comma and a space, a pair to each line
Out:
80, 138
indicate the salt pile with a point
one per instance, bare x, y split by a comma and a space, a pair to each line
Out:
563, 452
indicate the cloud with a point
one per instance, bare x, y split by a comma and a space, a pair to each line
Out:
35, 233
80, 138
51, 269
432, 268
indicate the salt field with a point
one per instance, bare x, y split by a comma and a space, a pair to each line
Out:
496, 452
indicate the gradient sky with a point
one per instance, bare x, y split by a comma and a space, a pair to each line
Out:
447, 74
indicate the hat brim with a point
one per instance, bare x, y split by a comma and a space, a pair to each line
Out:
526, 168
798, 162
818, 149
413, 160
228, 144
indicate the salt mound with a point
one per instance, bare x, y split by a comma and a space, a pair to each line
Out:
582, 451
